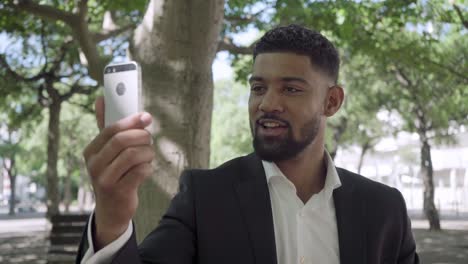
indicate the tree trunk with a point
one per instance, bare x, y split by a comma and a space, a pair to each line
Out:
53, 139
176, 45
67, 192
8, 164
12, 175
12, 205
427, 172
364, 150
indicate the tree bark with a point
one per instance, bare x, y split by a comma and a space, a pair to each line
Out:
12, 176
427, 173
11, 172
67, 192
12, 205
364, 150
53, 139
176, 45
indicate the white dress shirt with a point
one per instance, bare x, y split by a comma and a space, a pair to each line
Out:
304, 233
107, 253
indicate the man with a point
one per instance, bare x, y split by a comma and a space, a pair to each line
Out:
285, 203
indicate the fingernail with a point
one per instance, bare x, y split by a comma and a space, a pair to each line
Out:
145, 118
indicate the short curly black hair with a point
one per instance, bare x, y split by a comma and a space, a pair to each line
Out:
302, 41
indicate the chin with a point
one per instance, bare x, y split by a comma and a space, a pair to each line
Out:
275, 152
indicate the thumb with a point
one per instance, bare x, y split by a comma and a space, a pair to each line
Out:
99, 107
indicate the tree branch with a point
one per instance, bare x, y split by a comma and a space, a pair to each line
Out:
79, 25
460, 15
236, 19
106, 34
87, 108
44, 11
249, 18
44, 48
402, 78
60, 58
76, 88
41, 98
82, 9
13, 74
226, 44
446, 67
88, 45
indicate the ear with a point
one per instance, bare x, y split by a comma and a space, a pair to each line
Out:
334, 100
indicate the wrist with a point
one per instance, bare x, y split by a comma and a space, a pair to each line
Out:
104, 234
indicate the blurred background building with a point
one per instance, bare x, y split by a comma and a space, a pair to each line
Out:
395, 162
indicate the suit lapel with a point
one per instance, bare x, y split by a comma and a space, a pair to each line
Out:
350, 220
255, 205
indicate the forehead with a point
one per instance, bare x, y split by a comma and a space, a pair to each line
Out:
282, 64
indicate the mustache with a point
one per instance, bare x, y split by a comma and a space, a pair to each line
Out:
272, 117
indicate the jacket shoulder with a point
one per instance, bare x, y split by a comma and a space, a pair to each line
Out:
224, 172
376, 192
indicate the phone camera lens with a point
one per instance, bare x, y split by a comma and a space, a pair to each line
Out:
120, 89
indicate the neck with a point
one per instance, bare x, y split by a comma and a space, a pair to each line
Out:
307, 171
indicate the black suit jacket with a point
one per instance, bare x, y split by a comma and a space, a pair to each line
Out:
224, 215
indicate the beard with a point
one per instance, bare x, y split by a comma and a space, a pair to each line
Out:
274, 149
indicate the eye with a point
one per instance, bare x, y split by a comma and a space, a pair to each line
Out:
256, 88
292, 90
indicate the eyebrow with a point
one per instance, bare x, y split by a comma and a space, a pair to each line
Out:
255, 79
284, 79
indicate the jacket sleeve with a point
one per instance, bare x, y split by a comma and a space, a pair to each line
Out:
86, 253
172, 241
408, 253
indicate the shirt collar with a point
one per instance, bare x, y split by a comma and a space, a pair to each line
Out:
332, 180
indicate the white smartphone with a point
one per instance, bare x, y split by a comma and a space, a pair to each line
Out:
122, 91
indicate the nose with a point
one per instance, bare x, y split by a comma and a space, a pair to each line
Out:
271, 102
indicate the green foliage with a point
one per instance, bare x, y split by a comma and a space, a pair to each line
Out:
241, 15
359, 111
375, 39
242, 65
9, 149
230, 132
125, 12
77, 128
32, 162
429, 98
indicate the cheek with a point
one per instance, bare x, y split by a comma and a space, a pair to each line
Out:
253, 105
252, 114
303, 116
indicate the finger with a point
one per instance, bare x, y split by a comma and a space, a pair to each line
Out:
119, 142
136, 175
139, 120
136, 121
100, 109
127, 159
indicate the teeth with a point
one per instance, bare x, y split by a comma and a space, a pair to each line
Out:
270, 124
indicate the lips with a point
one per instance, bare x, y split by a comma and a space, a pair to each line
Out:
271, 127
271, 123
